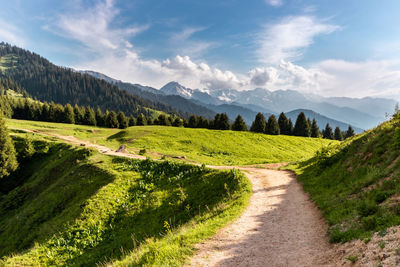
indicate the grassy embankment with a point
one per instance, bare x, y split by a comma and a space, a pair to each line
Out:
75, 207
197, 145
357, 184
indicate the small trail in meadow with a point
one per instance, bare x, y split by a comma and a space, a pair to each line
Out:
280, 227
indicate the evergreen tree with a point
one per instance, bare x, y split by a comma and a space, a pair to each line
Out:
239, 124
192, 122
112, 120
291, 126
177, 122
223, 122
79, 114
314, 129
163, 120
338, 134
259, 124
8, 158
150, 121
99, 117
69, 115
302, 127
122, 121
272, 126
327, 133
141, 120
284, 125
349, 132
132, 121
27, 148
90, 117
185, 123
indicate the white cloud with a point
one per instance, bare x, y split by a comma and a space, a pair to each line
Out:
275, 3
286, 39
11, 34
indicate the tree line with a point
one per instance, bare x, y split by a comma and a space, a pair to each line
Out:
302, 127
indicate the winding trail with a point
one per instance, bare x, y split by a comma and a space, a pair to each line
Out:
280, 227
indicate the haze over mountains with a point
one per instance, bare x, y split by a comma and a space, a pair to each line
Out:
361, 113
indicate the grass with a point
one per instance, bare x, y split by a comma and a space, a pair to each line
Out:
197, 145
357, 183
7, 62
75, 207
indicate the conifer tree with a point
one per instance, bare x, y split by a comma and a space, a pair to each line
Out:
177, 122
122, 121
163, 120
272, 126
328, 133
291, 126
338, 134
132, 121
284, 125
301, 127
314, 129
8, 157
192, 121
69, 116
90, 117
79, 114
349, 132
223, 122
239, 124
259, 124
112, 120
141, 120
150, 121
99, 117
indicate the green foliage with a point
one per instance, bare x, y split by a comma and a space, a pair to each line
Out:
272, 126
353, 182
99, 208
122, 120
259, 124
239, 124
8, 159
27, 148
349, 132
338, 134
315, 129
302, 128
141, 120
327, 133
284, 124
112, 120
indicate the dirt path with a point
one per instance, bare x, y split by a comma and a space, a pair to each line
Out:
280, 227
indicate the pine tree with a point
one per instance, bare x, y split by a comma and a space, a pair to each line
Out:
112, 120
69, 116
163, 120
301, 127
291, 126
272, 126
177, 122
239, 124
192, 121
90, 117
259, 124
99, 117
122, 121
141, 120
349, 132
338, 134
328, 133
223, 123
314, 129
132, 121
8, 157
79, 114
284, 125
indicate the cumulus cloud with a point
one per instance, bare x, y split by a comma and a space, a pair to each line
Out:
275, 3
286, 39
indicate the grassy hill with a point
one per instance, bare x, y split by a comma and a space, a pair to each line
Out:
357, 184
211, 147
69, 206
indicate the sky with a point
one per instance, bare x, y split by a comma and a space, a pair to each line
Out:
331, 48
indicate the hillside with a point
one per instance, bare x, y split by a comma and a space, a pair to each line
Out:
48, 82
75, 207
356, 185
199, 145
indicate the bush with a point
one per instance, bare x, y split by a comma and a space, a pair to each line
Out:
367, 208
369, 223
142, 151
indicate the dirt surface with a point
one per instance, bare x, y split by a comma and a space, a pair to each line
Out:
281, 227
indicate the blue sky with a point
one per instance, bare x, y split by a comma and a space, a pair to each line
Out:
335, 48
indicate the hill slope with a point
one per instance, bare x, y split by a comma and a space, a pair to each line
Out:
200, 145
48, 82
357, 185
74, 207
